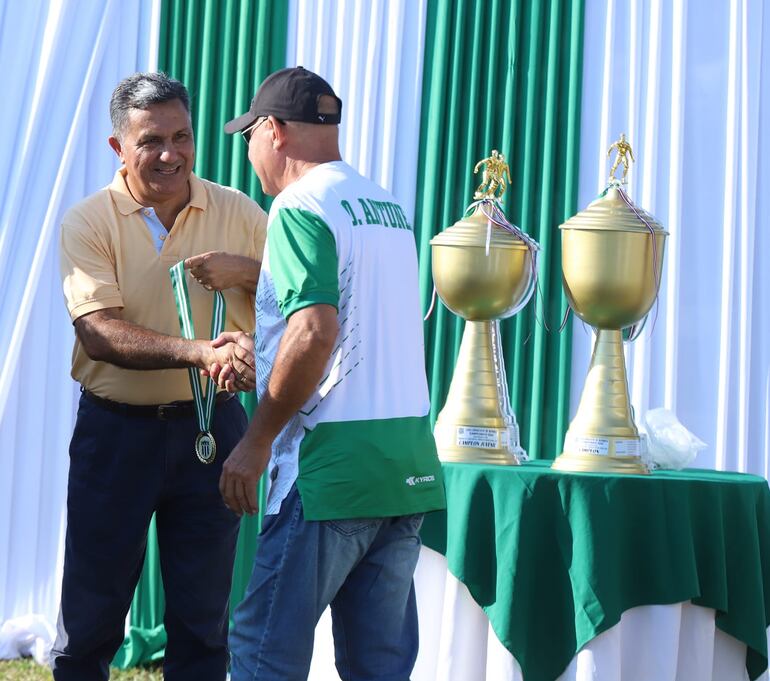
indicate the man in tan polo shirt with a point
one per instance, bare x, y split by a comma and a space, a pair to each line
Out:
133, 451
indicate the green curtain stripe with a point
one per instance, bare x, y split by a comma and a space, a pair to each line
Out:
504, 75
221, 50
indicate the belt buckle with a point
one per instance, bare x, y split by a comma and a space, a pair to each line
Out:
163, 410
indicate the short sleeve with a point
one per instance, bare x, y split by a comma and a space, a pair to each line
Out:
303, 260
87, 269
260, 233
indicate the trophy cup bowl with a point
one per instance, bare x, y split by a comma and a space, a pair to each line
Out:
473, 284
483, 274
610, 277
612, 258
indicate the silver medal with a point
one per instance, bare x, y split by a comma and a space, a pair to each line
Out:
205, 447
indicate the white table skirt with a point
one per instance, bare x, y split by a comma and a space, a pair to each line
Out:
677, 642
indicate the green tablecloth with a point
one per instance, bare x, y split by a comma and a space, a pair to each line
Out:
555, 558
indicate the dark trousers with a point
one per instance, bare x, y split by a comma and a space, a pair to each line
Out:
124, 468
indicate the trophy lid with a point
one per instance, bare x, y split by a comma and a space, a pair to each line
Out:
614, 211
477, 230
487, 226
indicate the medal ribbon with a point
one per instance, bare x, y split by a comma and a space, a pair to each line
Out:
204, 404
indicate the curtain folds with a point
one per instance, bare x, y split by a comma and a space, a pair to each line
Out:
221, 52
61, 63
371, 53
677, 642
505, 75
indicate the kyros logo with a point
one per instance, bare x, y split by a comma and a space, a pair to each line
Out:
413, 480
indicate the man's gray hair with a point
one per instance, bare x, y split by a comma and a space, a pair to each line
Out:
141, 91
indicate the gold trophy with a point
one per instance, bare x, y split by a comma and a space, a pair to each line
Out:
612, 255
484, 270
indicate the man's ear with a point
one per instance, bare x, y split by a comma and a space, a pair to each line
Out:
278, 132
116, 147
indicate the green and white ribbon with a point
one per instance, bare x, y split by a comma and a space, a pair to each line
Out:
204, 404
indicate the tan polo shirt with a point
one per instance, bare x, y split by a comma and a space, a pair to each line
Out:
108, 259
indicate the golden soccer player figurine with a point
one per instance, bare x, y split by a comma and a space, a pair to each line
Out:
624, 151
493, 177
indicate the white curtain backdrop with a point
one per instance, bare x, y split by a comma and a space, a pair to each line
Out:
60, 60
371, 53
689, 84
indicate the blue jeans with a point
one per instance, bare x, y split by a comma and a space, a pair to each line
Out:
363, 568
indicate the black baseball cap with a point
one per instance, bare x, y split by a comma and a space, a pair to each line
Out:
291, 95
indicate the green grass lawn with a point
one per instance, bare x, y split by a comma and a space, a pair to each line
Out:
28, 670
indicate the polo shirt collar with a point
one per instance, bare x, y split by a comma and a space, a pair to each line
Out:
126, 203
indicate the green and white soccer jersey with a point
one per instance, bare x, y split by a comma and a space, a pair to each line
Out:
361, 446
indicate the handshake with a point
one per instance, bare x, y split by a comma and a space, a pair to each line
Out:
231, 362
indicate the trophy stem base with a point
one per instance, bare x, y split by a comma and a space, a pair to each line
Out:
457, 443
477, 424
603, 437
468, 455
595, 463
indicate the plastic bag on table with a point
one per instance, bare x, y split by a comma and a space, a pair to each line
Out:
669, 444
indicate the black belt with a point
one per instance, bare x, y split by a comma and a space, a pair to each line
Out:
163, 412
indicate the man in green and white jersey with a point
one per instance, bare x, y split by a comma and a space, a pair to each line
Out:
342, 419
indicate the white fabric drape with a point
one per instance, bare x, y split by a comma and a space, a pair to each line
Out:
371, 53
675, 642
60, 60
689, 83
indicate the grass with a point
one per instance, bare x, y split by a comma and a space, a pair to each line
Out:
29, 670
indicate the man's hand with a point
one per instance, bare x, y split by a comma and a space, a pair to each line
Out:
240, 476
302, 356
217, 270
235, 368
217, 356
